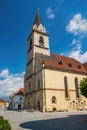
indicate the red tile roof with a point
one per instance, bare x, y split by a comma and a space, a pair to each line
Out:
18, 92
62, 63
85, 65
1, 100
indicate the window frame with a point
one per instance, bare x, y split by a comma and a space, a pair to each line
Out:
67, 96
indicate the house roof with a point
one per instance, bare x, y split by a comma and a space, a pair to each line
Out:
62, 63
18, 92
1, 100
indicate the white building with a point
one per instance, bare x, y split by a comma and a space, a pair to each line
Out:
17, 100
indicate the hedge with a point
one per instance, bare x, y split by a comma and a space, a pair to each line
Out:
4, 124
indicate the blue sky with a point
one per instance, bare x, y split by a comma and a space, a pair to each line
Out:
65, 21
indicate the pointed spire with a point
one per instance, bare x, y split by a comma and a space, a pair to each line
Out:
38, 18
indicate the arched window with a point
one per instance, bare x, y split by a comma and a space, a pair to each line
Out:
77, 88
66, 87
53, 99
41, 41
38, 83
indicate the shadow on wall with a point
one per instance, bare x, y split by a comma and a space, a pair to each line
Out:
72, 122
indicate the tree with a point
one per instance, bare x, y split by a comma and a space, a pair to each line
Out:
83, 87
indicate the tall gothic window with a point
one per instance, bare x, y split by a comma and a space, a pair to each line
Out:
41, 41
77, 88
53, 99
66, 87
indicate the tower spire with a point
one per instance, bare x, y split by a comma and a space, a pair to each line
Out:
38, 20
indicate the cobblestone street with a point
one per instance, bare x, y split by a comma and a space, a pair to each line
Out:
46, 121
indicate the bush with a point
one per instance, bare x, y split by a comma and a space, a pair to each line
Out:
4, 124
83, 87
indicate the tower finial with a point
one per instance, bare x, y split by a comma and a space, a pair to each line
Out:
38, 10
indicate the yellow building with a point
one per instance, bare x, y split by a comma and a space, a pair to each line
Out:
3, 103
51, 81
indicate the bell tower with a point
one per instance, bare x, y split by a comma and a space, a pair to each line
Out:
38, 42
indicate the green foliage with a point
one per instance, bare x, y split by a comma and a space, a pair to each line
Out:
4, 124
83, 87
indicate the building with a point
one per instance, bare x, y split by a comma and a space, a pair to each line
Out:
17, 100
51, 81
3, 103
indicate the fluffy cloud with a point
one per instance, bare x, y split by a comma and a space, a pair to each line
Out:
4, 73
9, 83
50, 13
76, 52
77, 25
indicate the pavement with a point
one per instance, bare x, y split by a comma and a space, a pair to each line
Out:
23, 120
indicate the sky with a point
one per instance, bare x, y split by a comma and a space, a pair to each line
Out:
65, 22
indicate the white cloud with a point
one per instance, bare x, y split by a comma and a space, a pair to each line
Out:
50, 13
77, 52
4, 73
77, 25
76, 42
10, 83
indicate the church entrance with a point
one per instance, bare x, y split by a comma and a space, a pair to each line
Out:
38, 104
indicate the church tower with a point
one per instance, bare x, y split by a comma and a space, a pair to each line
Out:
38, 42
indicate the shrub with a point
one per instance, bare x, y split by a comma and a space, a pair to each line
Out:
4, 124
83, 87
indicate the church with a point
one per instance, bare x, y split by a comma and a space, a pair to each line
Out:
51, 81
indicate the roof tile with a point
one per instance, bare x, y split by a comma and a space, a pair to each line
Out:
67, 63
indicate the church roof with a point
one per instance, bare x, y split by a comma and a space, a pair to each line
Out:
85, 65
62, 63
38, 20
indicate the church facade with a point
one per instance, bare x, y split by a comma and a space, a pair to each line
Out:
51, 81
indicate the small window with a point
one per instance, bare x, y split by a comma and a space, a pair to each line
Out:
20, 98
60, 62
53, 99
41, 41
69, 64
79, 67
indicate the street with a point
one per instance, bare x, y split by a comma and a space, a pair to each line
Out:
22, 120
